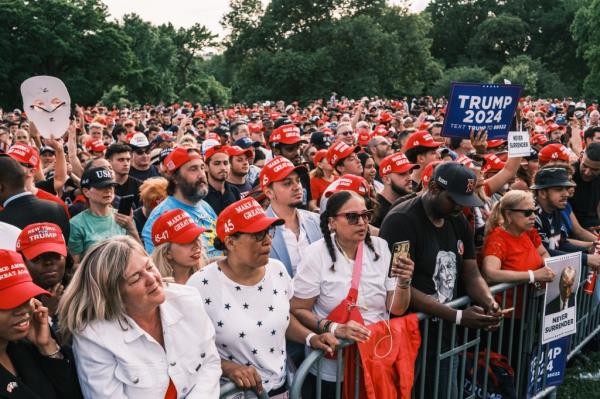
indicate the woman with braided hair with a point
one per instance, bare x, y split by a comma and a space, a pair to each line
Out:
324, 279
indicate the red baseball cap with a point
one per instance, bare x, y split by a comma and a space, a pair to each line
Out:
358, 184
381, 130
244, 216
178, 157
319, 155
215, 149
175, 226
255, 127
492, 162
395, 163
277, 169
539, 139
16, 286
95, 145
340, 150
385, 117
38, 238
465, 160
428, 171
553, 152
495, 143
421, 139
286, 134
235, 151
24, 154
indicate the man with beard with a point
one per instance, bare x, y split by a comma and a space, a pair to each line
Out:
239, 159
221, 193
395, 172
421, 149
442, 247
587, 194
187, 188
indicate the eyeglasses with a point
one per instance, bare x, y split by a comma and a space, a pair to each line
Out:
348, 133
525, 212
142, 152
258, 236
353, 217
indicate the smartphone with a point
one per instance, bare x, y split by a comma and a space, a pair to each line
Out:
401, 248
125, 204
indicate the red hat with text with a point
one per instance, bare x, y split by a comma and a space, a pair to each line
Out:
175, 226
539, 139
553, 152
178, 157
492, 163
348, 182
16, 286
364, 136
428, 171
216, 149
95, 146
39, 238
421, 139
235, 151
395, 163
244, 216
24, 154
277, 169
286, 134
340, 150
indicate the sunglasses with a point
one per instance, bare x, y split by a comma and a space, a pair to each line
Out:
260, 235
353, 217
525, 212
142, 152
349, 133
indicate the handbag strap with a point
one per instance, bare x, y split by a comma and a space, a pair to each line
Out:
357, 266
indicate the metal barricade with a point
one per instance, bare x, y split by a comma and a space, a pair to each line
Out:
442, 367
229, 390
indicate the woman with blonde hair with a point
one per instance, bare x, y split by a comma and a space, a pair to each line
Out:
177, 246
135, 336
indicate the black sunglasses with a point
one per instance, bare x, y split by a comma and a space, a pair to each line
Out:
258, 236
353, 217
142, 152
525, 212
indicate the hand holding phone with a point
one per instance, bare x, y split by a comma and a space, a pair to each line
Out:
399, 250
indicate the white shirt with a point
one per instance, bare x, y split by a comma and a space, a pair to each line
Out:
8, 236
250, 321
296, 246
114, 363
314, 278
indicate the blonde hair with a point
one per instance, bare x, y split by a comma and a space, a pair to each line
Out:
94, 292
153, 190
510, 200
163, 264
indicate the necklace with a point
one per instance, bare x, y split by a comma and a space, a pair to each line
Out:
337, 243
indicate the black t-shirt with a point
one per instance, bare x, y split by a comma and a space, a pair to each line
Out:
243, 188
144, 174
585, 201
382, 210
131, 186
438, 253
219, 201
140, 219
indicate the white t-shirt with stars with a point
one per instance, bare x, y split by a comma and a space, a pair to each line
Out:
250, 321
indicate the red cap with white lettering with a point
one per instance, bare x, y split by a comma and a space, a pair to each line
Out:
277, 169
175, 226
244, 216
286, 134
39, 238
24, 154
553, 152
395, 163
16, 286
421, 139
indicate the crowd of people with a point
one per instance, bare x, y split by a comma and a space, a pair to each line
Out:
158, 252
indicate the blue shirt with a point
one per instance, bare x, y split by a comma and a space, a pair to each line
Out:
202, 214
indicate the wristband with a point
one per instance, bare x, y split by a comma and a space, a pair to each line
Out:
308, 338
531, 276
333, 327
326, 325
458, 317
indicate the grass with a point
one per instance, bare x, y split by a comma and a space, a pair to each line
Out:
575, 388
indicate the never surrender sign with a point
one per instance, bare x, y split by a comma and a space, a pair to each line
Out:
480, 106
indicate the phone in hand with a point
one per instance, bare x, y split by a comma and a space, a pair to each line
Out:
125, 204
399, 249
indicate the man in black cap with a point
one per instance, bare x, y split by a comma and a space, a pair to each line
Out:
320, 140
551, 191
442, 247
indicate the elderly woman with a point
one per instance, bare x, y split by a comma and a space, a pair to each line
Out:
133, 335
247, 298
324, 277
32, 364
177, 245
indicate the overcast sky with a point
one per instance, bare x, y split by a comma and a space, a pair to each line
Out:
187, 12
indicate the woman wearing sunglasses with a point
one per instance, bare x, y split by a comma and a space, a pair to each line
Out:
247, 295
326, 274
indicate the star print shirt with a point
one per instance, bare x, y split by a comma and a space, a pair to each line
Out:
250, 321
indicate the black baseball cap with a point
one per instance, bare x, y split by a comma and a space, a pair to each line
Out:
97, 178
320, 140
459, 181
551, 177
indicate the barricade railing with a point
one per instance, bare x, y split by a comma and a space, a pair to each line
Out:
448, 362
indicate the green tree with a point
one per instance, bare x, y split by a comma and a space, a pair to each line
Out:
586, 34
473, 74
532, 74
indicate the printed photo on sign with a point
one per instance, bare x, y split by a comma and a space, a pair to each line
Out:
475, 106
560, 298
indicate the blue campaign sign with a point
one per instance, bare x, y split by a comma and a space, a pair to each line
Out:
553, 360
480, 106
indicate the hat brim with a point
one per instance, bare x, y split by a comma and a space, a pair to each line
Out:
262, 224
36, 250
20, 293
549, 185
292, 141
467, 200
189, 235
